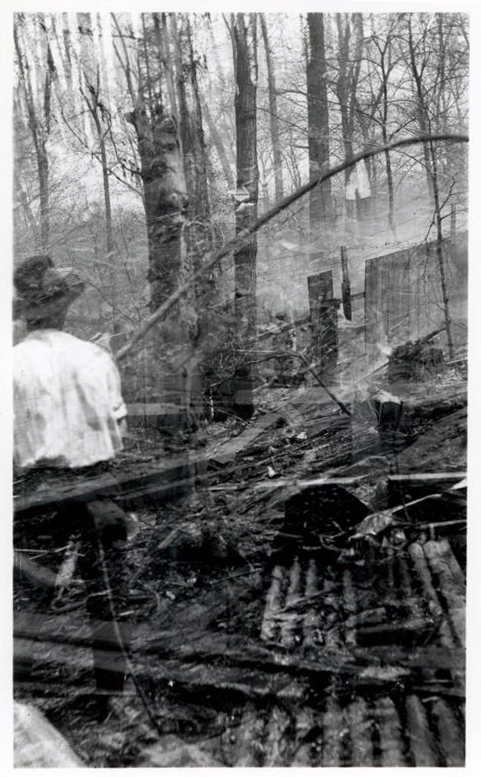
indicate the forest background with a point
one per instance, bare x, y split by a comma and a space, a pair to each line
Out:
145, 142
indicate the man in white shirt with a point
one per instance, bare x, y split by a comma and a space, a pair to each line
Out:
68, 415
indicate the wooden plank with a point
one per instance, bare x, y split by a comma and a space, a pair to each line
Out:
229, 450
165, 479
371, 309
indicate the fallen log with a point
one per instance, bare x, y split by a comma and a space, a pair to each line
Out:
414, 631
311, 624
390, 732
350, 608
432, 602
450, 738
421, 741
451, 588
457, 573
290, 624
333, 726
360, 724
269, 626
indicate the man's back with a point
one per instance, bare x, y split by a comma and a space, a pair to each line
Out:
67, 402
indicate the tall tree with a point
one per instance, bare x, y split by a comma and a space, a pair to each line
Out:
317, 118
162, 174
91, 90
387, 60
273, 115
36, 78
244, 32
425, 34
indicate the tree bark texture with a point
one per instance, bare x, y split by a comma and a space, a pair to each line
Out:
39, 123
165, 199
273, 115
245, 60
99, 114
423, 115
317, 119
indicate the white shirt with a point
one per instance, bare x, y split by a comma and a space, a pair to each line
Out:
67, 402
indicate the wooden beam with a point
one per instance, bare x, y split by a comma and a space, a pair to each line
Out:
164, 480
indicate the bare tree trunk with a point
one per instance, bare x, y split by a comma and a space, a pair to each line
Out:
385, 137
197, 233
317, 118
342, 83
98, 112
423, 117
245, 65
39, 125
219, 147
440, 256
165, 199
273, 115
433, 182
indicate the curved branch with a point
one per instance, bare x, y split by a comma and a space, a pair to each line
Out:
239, 240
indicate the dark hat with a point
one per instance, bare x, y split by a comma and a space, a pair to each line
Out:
43, 290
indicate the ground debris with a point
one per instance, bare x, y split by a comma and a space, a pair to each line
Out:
172, 752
